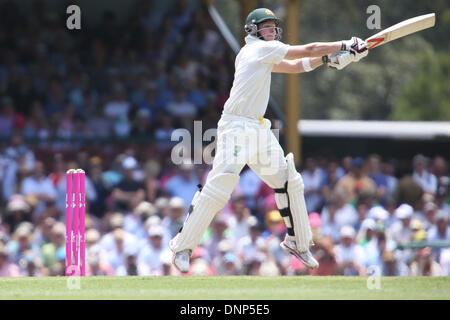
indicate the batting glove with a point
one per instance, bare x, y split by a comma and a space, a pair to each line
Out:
355, 44
339, 60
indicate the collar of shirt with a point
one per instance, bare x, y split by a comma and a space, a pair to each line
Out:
250, 39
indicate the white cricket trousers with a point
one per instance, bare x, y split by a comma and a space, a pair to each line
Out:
240, 141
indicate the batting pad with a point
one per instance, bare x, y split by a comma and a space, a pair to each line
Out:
205, 205
295, 187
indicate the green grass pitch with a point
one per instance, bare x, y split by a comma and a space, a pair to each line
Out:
229, 288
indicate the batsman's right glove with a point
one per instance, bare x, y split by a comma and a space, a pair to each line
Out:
355, 46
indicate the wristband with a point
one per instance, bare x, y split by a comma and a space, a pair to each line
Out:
325, 59
343, 46
306, 64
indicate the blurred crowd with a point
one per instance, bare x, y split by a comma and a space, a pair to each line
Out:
365, 220
166, 69
142, 78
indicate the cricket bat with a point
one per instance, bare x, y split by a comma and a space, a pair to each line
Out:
401, 29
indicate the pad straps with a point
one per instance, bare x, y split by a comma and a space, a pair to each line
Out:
286, 212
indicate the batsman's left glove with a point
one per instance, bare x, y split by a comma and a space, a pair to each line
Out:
339, 60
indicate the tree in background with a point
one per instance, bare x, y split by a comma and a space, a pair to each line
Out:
427, 97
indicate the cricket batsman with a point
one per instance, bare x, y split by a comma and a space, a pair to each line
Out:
244, 136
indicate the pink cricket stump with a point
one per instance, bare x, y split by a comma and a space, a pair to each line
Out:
76, 215
82, 222
69, 175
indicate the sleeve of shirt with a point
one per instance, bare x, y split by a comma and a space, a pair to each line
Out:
272, 52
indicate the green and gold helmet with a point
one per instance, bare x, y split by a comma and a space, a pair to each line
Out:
256, 17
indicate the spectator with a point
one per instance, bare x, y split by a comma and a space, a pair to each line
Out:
18, 211
313, 178
238, 220
20, 160
134, 221
356, 181
378, 214
362, 209
163, 132
388, 169
425, 265
118, 106
150, 258
439, 168
97, 207
218, 233
445, 262
230, 265
442, 194
389, 205
96, 258
316, 223
117, 243
408, 191
378, 253
98, 125
22, 244
184, 183
400, 231
128, 193
422, 176
247, 247
332, 176
43, 233
378, 176
142, 127
57, 242
174, 221
348, 254
40, 186
7, 118
199, 266
366, 233
324, 253
329, 226
249, 183
428, 215
440, 231
180, 107
345, 213
7, 269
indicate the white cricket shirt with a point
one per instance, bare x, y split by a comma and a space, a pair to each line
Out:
249, 95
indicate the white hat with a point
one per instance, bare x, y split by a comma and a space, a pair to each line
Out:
161, 203
145, 208
378, 213
347, 231
18, 203
155, 230
129, 163
368, 224
404, 211
117, 220
151, 221
176, 203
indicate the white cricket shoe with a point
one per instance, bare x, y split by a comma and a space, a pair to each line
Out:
181, 260
305, 257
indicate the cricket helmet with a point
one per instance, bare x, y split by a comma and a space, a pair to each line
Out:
258, 16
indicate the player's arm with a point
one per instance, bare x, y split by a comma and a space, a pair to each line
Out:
297, 65
315, 49
319, 49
